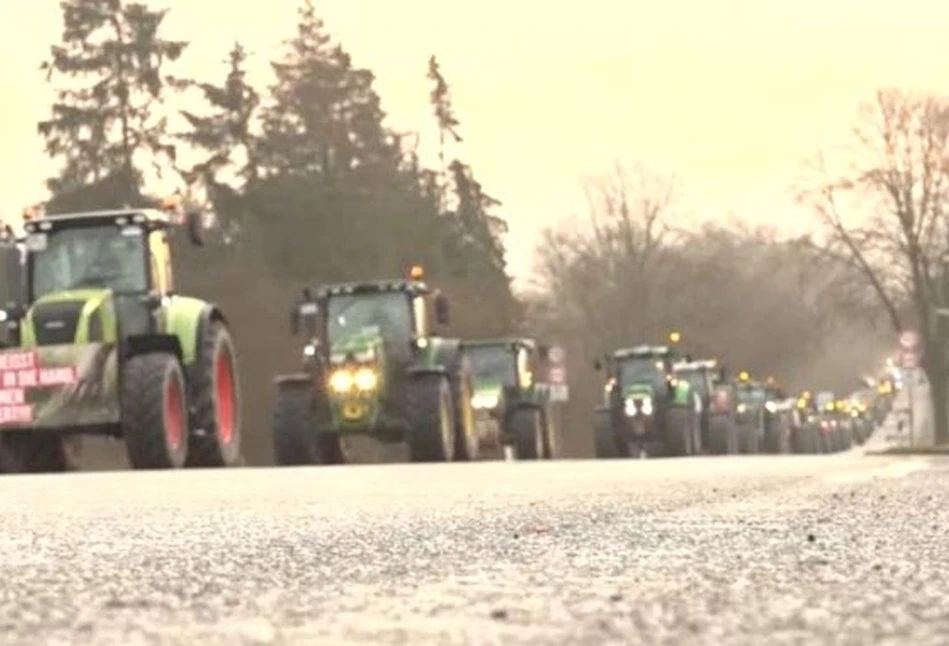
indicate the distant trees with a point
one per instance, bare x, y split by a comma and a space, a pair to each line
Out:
885, 215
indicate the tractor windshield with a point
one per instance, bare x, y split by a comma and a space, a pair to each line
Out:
638, 370
493, 363
105, 256
389, 312
697, 380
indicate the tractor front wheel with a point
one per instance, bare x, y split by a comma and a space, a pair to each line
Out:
678, 429
154, 412
431, 435
526, 428
293, 430
216, 441
31, 452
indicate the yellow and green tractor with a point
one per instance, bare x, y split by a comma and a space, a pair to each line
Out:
99, 342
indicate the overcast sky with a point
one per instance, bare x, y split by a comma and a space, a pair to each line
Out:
729, 95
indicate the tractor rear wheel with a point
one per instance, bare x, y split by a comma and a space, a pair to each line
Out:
293, 430
526, 428
154, 412
216, 439
466, 435
431, 436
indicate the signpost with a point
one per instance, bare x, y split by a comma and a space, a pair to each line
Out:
557, 375
909, 362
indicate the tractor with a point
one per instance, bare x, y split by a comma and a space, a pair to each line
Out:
708, 379
750, 413
647, 409
777, 419
373, 366
99, 342
512, 406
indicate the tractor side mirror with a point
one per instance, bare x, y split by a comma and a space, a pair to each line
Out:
195, 228
442, 310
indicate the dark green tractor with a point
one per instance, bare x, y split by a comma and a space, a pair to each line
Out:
512, 405
751, 411
717, 419
374, 366
647, 410
99, 342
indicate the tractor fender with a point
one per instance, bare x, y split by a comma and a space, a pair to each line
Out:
446, 353
139, 344
188, 318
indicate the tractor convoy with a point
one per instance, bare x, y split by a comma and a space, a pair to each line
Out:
97, 341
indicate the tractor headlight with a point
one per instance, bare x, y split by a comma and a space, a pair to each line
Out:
630, 407
366, 379
484, 401
742, 408
341, 381
771, 407
309, 350
646, 406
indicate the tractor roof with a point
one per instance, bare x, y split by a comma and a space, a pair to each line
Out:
414, 287
700, 364
525, 342
149, 217
643, 351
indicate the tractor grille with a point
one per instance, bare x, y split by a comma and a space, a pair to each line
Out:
56, 323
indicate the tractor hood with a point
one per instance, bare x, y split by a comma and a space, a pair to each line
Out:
487, 393
70, 316
360, 345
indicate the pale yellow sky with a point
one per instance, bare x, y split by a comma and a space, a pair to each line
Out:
730, 95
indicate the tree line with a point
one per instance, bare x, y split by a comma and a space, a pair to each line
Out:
308, 183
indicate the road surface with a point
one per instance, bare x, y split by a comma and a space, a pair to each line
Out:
844, 549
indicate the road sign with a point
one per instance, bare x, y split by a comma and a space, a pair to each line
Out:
557, 355
909, 339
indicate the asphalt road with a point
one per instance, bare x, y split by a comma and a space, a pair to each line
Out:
842, 549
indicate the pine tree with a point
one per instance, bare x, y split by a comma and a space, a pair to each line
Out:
109, 68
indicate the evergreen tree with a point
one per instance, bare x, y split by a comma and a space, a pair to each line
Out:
104, 124
226, 139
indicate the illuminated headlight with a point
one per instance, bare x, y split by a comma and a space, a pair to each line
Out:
341, 381
366, 379
771, 407
484, 401
742, 408
421, 343
630, 407
309, 350
646, 407
3, 316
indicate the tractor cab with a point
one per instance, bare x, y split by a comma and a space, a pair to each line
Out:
503, 369
116, 262
352, 321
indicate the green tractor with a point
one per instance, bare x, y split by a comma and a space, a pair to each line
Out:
717, 419
647, 409
99, 342
373, 366
751, 413
512, 406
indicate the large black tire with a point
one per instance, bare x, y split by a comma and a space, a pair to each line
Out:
604, 439
527, 429
293, 429
466, 435
32, 452
677, 429
721, 434
215, 439
549, 433
155, 412
431, 436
